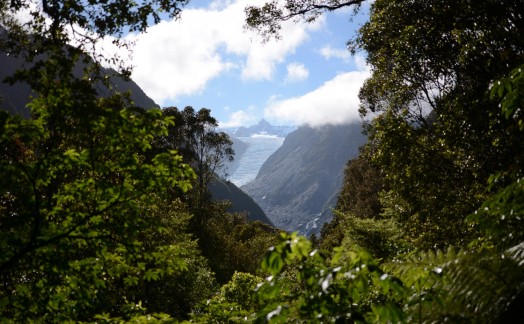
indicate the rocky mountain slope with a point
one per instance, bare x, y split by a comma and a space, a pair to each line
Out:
297, 186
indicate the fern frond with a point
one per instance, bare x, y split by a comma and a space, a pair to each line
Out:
461, 285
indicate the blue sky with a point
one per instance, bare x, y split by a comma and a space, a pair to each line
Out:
206, 59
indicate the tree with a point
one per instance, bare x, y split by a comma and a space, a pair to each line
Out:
234, 304
304, 286
229, 241
357, 215
195, 136
446, 149
232, 243
353, 286
179, 293
362, 185
499, 218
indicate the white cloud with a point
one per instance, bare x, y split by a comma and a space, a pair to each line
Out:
170, 63
238, 118
176, 58
335, 102
329, 52
296, 72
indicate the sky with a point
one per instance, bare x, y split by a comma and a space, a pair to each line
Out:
207, 59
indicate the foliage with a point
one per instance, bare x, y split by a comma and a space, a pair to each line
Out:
178, 293
194, 135
92, 228
105, 17
510, 90
357, 216
444, 148
461, 286
499, 218
351, 287
362, 185
305, 286
229, 241
234, 304
383, 238
89, 227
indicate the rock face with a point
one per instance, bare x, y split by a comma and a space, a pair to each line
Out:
298, 185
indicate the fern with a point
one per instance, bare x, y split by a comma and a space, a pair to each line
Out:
459, 285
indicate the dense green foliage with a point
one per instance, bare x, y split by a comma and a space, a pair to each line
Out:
439, 57
228, 241
77, 232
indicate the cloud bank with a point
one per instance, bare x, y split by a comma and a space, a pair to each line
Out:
335, 102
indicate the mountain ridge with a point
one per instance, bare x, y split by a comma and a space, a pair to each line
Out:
298, 184
263, 127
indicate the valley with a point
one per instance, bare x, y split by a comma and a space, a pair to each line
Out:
296, 180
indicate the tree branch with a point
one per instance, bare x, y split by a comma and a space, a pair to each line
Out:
322, 7
266, 20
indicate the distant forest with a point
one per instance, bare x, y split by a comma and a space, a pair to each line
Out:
106, 215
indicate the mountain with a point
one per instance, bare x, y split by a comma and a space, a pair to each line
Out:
263, 128
15, 97
298, 184
240, 201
